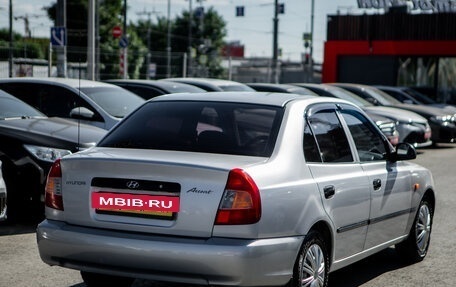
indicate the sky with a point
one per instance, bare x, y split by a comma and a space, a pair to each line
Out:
254, 30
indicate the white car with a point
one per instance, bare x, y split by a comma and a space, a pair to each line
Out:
90, 102
240, 189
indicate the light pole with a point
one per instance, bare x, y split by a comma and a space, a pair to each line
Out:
168, 43
275, 43
190, 24
125, 50
10, 57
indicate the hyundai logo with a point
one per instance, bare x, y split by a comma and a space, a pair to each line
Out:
132, 184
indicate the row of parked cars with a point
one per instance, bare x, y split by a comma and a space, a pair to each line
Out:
48, 118
241, 188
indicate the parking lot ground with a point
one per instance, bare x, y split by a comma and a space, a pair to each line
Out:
21, 266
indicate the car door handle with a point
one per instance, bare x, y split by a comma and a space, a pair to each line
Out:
329, 191
377, 183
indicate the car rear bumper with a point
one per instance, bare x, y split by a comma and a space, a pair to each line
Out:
212, 261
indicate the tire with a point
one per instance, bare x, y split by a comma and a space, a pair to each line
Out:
415, 247
100, 280
312, 265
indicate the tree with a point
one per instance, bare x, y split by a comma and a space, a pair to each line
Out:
208, 32
22, 48
207, 40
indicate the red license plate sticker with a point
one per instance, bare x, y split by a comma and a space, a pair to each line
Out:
138, 203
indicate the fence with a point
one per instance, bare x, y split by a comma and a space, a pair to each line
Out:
155, 65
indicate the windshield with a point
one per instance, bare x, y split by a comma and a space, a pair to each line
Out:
383, 97
11, 107
209, 127
354, 99
115, 101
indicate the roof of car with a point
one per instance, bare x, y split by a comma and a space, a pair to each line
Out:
168, 85
216, 83
267, 98
75, 83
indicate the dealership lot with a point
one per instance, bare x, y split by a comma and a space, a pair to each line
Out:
20, 264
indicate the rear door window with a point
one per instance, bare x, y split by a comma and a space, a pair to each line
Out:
332, 142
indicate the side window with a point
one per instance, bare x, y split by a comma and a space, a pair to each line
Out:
369, 142
311, 152
56, 101
331, 138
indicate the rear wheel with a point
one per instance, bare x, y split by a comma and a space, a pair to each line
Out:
415, 247
312, 266
96, 279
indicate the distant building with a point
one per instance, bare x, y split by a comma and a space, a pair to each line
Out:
233, 49
395, 48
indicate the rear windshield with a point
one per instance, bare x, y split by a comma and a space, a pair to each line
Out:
209, 127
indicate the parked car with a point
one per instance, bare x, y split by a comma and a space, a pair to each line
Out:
213, 85
408, 95
243, 189
412, 128
387, 126
442, 123
99, 104
3, 196
148, 89
281, 88
29, 144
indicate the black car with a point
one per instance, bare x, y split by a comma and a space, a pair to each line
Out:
442, 122
408, 95
29, 144
148, 89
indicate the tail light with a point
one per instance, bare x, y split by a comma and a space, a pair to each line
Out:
241, 203
53, 194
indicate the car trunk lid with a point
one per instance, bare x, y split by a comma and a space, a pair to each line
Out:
187, 186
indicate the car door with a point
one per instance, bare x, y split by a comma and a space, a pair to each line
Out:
343, 186
389, 183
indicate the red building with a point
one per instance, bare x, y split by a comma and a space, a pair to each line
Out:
393, 49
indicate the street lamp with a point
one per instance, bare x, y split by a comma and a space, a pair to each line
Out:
168, 43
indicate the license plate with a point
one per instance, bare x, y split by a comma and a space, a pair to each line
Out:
135, 204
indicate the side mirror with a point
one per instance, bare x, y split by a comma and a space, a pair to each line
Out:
404, 151
81, 113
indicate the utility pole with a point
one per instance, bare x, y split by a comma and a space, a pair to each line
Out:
10, 58
190, 24
91, 41
61, 51
275, 74
312, 9
125, 50
168, 43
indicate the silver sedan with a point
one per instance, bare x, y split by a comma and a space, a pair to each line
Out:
238, 188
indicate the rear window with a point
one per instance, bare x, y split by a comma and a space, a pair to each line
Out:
209, 127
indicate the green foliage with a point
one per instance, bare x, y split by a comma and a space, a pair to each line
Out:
207, 40
22, 47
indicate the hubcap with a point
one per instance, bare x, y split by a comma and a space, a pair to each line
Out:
313, 267
423, 228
